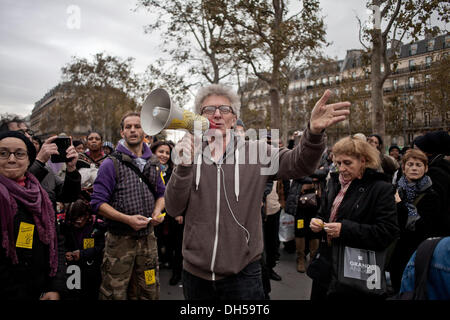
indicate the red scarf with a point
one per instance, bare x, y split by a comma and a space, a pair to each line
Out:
340, 196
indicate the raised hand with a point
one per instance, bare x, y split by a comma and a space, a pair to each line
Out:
48, 148
325, 115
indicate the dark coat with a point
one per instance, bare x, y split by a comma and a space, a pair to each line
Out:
28, 279
90, 258
428, 225
58, 190
439, 172
367, 213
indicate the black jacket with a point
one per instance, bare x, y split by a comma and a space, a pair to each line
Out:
368, 213
368, 216
57, 189
428, 225
28, 279
439, 172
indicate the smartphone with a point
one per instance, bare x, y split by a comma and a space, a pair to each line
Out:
62, 143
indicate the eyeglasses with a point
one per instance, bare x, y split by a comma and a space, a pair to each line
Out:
27, 131
212, 109
19, 154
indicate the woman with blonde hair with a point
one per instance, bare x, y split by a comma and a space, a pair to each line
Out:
358, 211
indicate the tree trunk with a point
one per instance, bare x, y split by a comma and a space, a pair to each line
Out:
275, 122
378, 124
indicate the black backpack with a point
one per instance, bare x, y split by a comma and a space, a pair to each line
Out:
422, 262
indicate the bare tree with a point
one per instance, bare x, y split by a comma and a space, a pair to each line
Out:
266, 37
394, 21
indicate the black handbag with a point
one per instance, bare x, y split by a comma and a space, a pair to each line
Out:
319, 268
307, 200
358, 271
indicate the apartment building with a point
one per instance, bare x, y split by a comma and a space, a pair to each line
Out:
406, 92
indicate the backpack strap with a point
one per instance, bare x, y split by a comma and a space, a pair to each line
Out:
116, 157
421, 265
416, 201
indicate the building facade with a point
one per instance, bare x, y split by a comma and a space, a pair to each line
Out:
415, 94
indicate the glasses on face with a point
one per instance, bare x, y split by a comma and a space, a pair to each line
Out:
212, 109
19, 154
27, 131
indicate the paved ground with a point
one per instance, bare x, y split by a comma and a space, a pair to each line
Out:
293, 286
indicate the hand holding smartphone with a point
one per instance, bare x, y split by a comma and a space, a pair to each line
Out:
62, 143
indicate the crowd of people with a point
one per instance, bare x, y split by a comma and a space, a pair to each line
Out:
101, 224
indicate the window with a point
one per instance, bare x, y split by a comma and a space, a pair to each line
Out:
367, 87
428, 61
353, 75
426, 119
311, 83
410, 119
411, 65
366, 104
447, 41
430, 45
413, 49
336, 91
337, 79
330, 80
395, 84
427, 78
324, 80
410, 82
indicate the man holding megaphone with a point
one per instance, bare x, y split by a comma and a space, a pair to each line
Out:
218, 185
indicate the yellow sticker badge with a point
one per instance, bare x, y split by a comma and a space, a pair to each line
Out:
150, 277
300, 224
88, 243
25, 236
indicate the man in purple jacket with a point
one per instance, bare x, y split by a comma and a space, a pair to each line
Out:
131, 206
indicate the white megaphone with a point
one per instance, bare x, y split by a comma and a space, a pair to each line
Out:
158, 113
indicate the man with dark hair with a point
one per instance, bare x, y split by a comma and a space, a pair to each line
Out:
15, 123
388, 164
129, 193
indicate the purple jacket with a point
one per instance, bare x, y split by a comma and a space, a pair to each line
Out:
106, 178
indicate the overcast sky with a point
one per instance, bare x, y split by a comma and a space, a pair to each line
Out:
38, 37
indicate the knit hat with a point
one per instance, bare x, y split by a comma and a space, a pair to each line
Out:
394, 147
239, 122
31, 149
434, 142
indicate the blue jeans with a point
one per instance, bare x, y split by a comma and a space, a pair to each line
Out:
246, 285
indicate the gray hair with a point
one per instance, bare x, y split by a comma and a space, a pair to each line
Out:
218, 90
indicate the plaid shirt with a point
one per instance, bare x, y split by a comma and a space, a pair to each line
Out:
132, 196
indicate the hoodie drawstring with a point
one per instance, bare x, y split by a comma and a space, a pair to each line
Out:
236, 173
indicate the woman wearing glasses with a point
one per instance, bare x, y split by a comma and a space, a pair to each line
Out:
28, 252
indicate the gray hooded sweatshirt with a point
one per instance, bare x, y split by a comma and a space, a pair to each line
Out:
221, 201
